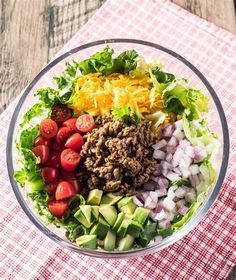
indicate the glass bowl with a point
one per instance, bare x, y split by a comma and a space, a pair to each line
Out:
172, 62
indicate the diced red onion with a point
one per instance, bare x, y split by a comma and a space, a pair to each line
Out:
172, 176
183, 210
170, 149
179, 124
177, 156
183, 144
154, 178
160, 216
180, 203
178, 134
157, 154
190, 151
177, 170
157, 170
154, 197
171, 191
158, 208
145, 195
159, 145
173, 142
168, 203
167, 132
185, 161
200, 153
185, 172
169, 157
163, 183
204, 171
137, 201
180, 192
194, 169
158, 239
190, 196
149, 203
164, 224
165, 165
161, 192
149, 186
170, 215
165, 172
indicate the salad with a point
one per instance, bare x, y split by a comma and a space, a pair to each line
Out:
119, 154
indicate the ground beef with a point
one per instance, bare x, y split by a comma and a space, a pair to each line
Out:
117, 157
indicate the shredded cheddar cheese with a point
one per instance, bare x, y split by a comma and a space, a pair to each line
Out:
97, 95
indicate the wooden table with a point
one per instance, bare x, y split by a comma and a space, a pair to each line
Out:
32, 31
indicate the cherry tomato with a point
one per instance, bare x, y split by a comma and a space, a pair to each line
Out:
85, 123
60, 113
56, 147
42, 152
40, 140
63, 134
49, 174
64, 190
71, 123
53, 159
48, 128
51, 188
69, 159
75, 142
58, 208
67, 176
76, 185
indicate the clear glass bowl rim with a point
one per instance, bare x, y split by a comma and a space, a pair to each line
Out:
154, 247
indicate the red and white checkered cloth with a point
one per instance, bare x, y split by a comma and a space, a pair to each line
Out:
208, 252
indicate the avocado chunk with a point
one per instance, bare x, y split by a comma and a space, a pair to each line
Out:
129, 209
110, 241
125, 243
140, 215
124, 201
134, 228
110, 199
94, 212
102, 228
119, 220
109, 213
123, 227
86, 210
81, 218
94, 197
87, 241
94, 230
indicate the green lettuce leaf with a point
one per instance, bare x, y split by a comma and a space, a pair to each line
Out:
124, 114
20, 176
27, 136
48, 96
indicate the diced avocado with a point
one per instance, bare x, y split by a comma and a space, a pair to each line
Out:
94, 230
142, 242
102, 228
125, 201
110, 241
109, 213
86, 210
95, 212
134, 228
110, 199
119, 220
140, 215
35, 183
81, 218
87, 241
94, 197
129, 209
123, 227
125, 243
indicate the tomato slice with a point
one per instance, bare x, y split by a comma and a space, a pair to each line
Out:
58, 208
71, 123
64, 190
54, 159
51, 188
67, 176
40, 140
60, 113
63, 134
49, 174
42, 152
76, 185
75, 142
85, 123
48, 128
69, 159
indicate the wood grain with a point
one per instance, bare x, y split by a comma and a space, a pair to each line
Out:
220, 12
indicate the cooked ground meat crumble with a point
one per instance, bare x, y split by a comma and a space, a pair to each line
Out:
117, 157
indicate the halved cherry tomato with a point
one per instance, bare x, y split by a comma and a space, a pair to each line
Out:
76, 185
58, 208
40, 140
60, 113
53, 159
64, 190
48, 128
51, 188
49, 174
71, 123
42, 152
69, 159
67, 176
56, 147
63, 134
75, 142
85, 123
